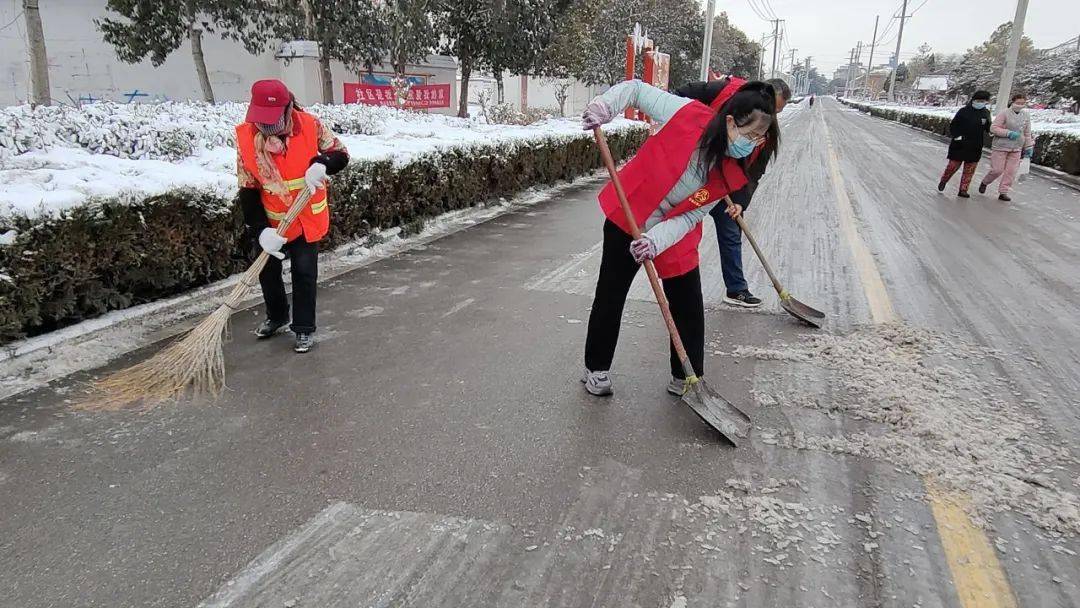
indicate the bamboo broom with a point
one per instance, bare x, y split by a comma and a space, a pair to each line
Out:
194, 363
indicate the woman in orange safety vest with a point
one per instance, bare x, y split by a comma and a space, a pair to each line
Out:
281, 150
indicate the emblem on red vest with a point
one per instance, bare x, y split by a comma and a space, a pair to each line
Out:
700, 197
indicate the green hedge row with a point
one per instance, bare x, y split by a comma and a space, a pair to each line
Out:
1052, 149
111, 254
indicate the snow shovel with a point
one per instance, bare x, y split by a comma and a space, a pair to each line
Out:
795, 308
731, 422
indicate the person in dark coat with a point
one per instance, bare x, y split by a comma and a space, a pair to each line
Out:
728, 234
967, 129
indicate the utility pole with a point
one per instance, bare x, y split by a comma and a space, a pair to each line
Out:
40, 94
858, 60
806, 77
792, 60
899, 37
761, 57
847, 73
1009, 70
706, 47
870, 64
775, 45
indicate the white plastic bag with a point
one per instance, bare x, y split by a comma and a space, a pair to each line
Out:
1024, 169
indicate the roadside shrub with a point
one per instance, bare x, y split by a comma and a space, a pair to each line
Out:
114, 253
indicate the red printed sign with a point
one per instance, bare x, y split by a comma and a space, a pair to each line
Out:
420, 95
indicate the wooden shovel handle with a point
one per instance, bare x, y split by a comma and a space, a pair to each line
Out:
650, 269
761, 256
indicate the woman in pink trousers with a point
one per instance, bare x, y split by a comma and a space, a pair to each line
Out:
1012, 141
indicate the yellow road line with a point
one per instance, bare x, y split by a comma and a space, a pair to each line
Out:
978, 577
881, 310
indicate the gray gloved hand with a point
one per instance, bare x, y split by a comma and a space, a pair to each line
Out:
272, 243
643, 249
597, 113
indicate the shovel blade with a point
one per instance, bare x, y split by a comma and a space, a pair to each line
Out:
731, 422
802, 312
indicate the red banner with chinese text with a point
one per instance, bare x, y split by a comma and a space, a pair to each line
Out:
420, 95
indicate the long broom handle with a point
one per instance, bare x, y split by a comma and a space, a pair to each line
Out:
247, 280
761, 256
650, 269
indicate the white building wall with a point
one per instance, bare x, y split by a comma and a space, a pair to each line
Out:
82, 65
541, 92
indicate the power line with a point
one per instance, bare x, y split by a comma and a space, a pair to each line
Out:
757, 11
916, 9
769, 9
12, 22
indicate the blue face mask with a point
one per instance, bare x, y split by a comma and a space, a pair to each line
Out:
978, 105
741, 147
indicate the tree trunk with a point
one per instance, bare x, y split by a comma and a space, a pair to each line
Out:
195, 34
499, 85
40, 93
463, 100
327, 77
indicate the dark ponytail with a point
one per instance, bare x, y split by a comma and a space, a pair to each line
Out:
754, 101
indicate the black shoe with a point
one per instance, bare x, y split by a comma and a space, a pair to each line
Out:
1004, 197
963, 194
742, 298
941, 186
267, 329
982, 188
304, 342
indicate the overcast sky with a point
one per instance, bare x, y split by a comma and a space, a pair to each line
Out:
827, 29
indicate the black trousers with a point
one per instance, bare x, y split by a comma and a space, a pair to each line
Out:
617, 271
305, 273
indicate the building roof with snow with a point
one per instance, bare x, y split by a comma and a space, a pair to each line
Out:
931, 83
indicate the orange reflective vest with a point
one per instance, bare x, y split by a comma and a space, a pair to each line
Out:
303, 144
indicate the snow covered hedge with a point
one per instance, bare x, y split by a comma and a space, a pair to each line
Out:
164, 131
1059, 149
113, 253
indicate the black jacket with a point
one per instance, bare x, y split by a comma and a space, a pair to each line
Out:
967, 130
706, 92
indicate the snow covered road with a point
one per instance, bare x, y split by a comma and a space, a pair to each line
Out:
436, 449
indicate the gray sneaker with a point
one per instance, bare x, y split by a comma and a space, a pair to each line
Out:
597, 383
268, 328
677, 387
304, 342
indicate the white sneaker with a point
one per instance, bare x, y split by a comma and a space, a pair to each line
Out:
597, 383
677, 387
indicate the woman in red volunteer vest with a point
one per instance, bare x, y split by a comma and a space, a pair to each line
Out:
679, 174
281, 150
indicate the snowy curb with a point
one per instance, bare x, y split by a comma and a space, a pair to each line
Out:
34, 362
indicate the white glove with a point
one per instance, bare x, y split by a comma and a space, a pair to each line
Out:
315, 176
597, 113
643, 249
271, 242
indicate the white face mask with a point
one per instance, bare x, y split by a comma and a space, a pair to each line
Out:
1016, 107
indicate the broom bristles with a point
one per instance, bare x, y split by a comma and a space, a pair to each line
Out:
196, 362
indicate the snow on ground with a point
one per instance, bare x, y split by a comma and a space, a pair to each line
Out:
1041, 120
62, 166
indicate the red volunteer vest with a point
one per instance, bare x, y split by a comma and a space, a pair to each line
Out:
732, 86
656, 168
314, 220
